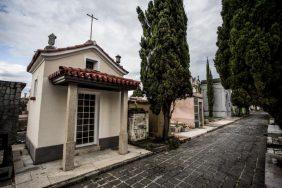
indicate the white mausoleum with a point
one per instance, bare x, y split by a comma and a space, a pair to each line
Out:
222, 99
78, 101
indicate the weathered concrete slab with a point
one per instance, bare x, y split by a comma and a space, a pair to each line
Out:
274, 130
52, 174
273, 173
273, 170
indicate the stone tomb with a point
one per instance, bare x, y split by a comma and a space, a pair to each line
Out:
10, 94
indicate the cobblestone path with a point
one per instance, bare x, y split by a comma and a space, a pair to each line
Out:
229, 157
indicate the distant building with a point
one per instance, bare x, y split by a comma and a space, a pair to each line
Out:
187, 111
222, 99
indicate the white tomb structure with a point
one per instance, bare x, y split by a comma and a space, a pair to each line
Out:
222, 99
78, 100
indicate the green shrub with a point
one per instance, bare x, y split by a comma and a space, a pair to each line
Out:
149, 146
173, 143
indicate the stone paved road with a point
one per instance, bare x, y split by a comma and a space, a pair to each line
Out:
229, 157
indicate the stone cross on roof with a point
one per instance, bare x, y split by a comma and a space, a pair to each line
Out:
92, 17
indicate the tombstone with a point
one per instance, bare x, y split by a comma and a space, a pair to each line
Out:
138, 120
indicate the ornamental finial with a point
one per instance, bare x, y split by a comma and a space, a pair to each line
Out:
51, 41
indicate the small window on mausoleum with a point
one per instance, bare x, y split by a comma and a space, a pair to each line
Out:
91, 64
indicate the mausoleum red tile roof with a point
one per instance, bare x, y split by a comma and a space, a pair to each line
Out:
86, 44
93, 75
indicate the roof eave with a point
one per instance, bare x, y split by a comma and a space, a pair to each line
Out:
35, 64
65, 80
39, 52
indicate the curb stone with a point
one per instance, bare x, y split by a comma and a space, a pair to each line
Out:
219, 127
216, 128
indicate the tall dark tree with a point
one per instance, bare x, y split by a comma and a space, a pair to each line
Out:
264, 55
241, 77
137, 93
223, 54
164, 56
233, 71
210, 93
241, 99
254, 42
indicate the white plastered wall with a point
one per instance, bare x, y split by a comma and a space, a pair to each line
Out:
184, 111
53, 106
219, 108
110, 106
77, 60
34, 106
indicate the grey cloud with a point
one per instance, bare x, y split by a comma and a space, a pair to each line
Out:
26, 25
204, 18
12, 75
14, 72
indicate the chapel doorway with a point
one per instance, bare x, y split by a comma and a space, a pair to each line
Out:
86, 119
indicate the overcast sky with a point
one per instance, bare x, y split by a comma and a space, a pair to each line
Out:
26, 24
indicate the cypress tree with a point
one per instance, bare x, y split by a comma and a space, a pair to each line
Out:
137, 93
210, 93
241, 99
241, 78
254, 42
263, 54
164, 56
223, 54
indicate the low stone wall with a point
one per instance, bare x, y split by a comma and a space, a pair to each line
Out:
10, 94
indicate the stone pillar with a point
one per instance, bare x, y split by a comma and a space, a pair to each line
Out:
69, 144
123, 136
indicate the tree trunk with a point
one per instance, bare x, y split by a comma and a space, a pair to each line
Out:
166, 113
247, 110
240, 111
210, 113
7, 157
